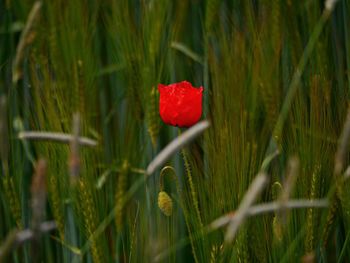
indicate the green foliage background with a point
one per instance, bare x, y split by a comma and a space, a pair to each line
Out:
104, 60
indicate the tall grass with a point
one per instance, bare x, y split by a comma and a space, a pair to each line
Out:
276, 84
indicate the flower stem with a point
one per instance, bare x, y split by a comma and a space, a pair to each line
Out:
192, 188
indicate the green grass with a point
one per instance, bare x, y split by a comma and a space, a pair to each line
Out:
276, 78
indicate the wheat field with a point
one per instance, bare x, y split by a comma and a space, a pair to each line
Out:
91, 173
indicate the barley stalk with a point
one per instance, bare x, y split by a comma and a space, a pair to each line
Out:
120, 195
152, 117
311, 212
74, 158
89, 213
331, 217
56, 206
192, 187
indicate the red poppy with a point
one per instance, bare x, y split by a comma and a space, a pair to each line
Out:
180, 104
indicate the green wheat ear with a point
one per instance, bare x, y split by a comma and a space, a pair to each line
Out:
120, 195
215, 253
310, 215
56, 205
152, 116
191, 184
89, 213
331, 219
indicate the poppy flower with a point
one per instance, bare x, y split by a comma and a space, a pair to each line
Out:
180, 104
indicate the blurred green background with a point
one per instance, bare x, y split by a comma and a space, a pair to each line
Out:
276, 77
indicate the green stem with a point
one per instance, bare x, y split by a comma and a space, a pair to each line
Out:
192, 188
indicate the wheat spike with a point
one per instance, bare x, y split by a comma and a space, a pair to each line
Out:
311, 212
191, 184
119, 196
152, 117
89, 213
56, 205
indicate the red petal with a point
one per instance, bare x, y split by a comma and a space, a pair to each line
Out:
180, 104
